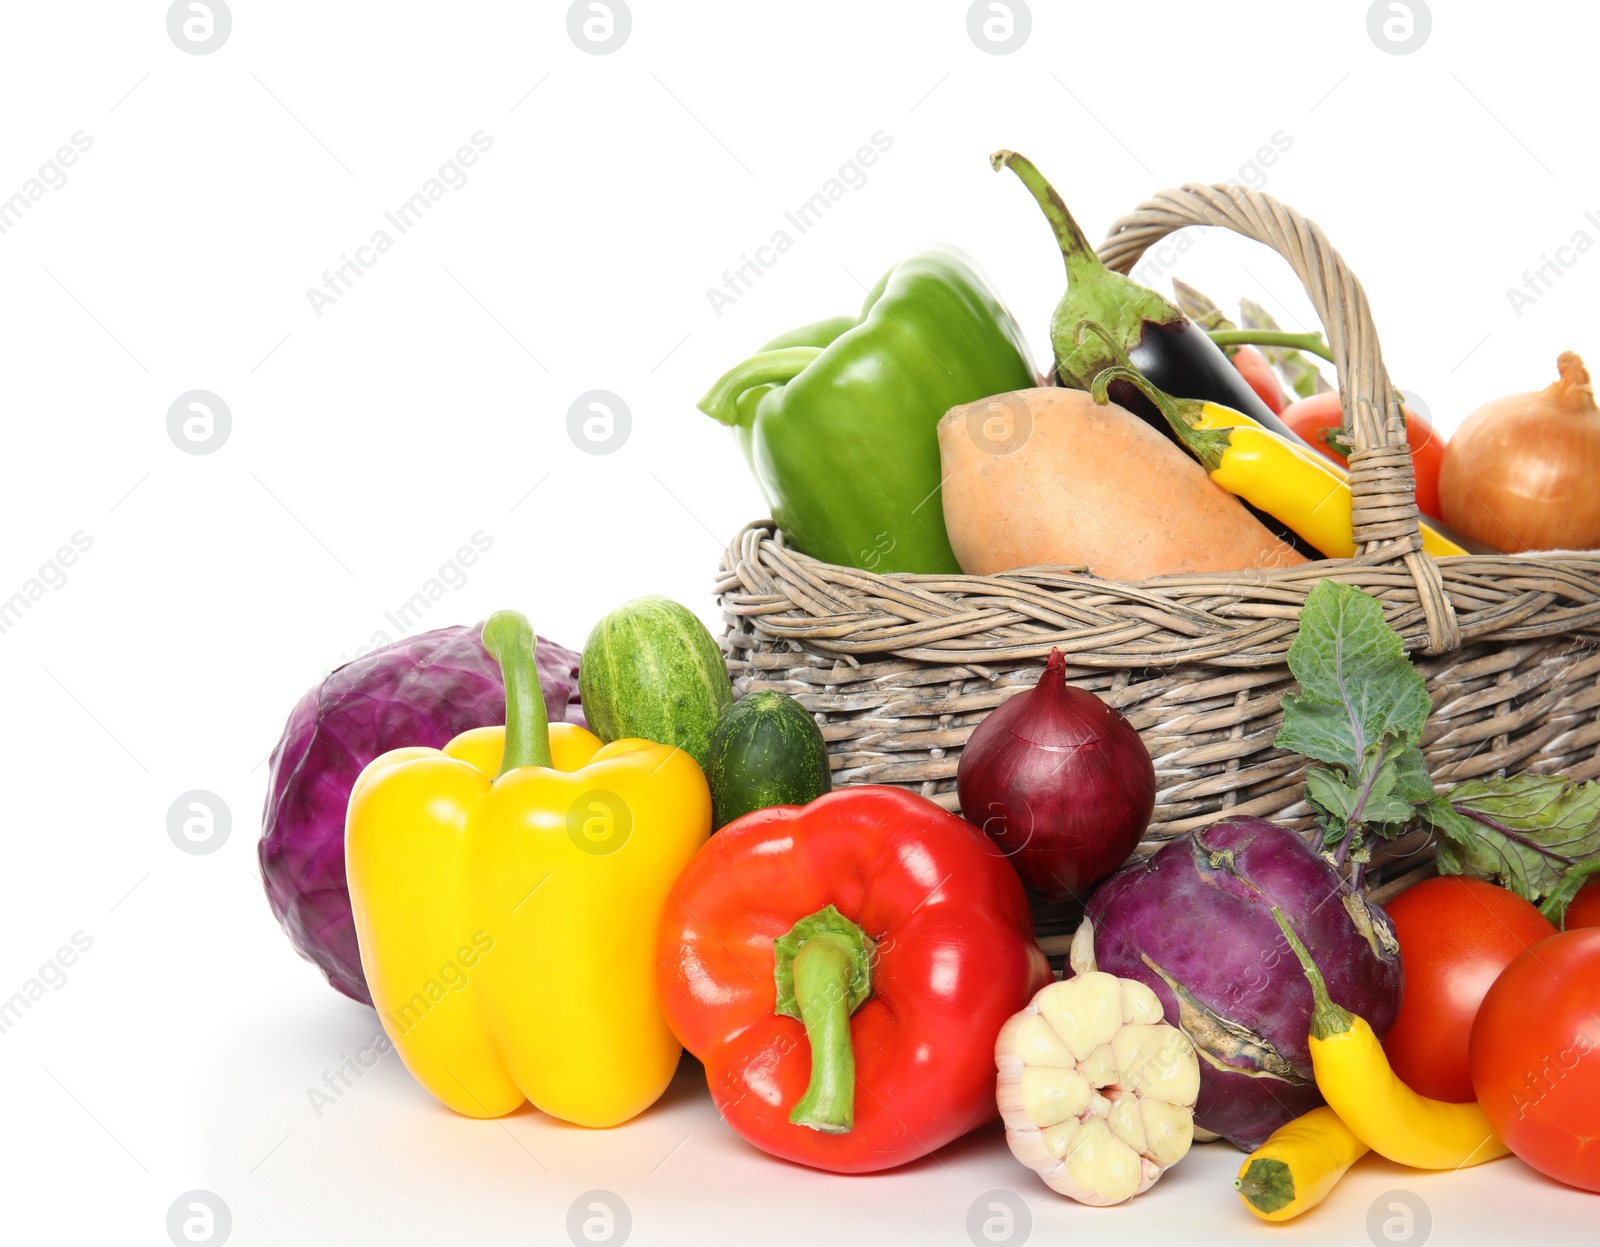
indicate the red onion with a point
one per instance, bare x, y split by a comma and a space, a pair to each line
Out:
1061, 782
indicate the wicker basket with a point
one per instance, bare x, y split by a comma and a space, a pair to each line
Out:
898, 669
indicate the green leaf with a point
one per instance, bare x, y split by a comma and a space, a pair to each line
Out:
1531, 833
1383, 797
1412, 784
1319, 730
1445, 856
1332, 799
1398, 781
1357, 685
1350, 801
1555, 905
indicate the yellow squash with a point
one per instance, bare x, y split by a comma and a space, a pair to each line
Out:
1355, 1078
508, 925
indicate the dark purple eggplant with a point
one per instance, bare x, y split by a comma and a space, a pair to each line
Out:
1171, 350
1176, 354
1180, 358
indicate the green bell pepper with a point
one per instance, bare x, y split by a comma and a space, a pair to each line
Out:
839, 419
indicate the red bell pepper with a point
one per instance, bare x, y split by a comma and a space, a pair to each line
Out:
842, 970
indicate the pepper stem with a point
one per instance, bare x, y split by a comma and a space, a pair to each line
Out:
823, 972
1206, 445
1075, 249
1267, 1183
1327, 1018
509, 637
721, 401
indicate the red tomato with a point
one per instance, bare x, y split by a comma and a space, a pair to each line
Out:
1255, 369
1456, 935
1536, 1057
1315, 417
1585, 908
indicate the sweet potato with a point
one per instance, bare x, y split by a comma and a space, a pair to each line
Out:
1047, 477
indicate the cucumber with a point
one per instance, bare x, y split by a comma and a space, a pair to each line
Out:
650, 669
765, 751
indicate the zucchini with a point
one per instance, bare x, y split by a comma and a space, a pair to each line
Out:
765, 751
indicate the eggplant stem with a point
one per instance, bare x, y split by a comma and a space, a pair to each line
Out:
1310, 342
1075, 247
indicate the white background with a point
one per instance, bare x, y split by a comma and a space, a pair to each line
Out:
367, 444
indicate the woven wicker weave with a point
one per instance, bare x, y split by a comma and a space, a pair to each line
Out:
899, 669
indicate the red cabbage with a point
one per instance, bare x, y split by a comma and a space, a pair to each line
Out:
419, 691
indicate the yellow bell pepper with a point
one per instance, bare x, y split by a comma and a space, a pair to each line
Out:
1359, 1085
1291, 483
507, 891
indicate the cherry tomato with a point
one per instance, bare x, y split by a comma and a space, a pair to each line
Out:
1315, 417
1585, 908
1536, 1057
1255, 369
1456, 935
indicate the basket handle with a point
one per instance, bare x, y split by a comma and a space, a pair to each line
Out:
1384, 504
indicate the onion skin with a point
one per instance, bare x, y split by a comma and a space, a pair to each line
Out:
1061, 782
1200, 908
1520, 473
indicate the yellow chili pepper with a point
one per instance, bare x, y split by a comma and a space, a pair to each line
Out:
1296, 1168
507, 924
1294, 485
1355, 1078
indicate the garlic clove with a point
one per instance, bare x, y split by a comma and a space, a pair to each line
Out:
1037, 1043
1140, 1004
1100, 1067
1157, 1061
1126, 1121
1058, 1139
1051, 1095
1102, 1163
1086, 1011
1032, 1147
1168, 1131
